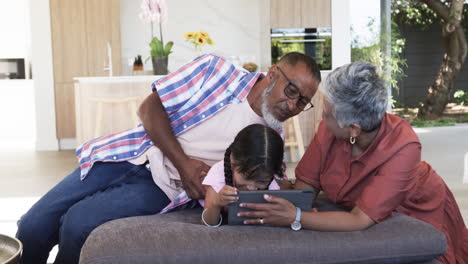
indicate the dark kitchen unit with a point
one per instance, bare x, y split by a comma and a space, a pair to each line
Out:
315, 42
12, 68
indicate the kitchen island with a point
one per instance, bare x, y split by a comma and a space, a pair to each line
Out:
108, 104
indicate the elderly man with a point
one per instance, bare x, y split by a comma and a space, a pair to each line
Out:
187, 123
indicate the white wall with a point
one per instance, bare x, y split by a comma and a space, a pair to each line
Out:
18, 130
341, 33
235, 26
43, 77
239, 28
14, 29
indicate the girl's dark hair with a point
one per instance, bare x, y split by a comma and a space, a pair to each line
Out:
257, 152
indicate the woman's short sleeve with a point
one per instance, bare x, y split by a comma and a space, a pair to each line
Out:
308, 169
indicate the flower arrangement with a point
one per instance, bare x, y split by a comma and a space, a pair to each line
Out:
198, 40
155, 11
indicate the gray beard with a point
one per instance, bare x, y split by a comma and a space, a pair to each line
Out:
267, 115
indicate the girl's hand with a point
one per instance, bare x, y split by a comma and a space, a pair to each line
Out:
226, 195
277, 212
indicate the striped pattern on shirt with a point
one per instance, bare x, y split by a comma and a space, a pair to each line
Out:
190, 95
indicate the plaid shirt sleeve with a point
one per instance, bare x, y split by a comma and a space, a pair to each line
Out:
196, 86
189, 95
191, 81
178, 87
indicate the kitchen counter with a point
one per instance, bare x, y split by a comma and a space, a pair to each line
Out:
107, 105
118, 79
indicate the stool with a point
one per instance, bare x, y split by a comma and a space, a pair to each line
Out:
131, 103
293, 137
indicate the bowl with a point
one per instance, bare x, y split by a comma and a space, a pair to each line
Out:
10, 250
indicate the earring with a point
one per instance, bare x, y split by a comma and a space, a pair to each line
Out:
352, 140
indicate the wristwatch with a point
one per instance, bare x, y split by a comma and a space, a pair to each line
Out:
296, 225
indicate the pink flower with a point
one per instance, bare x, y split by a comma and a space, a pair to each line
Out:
153, 11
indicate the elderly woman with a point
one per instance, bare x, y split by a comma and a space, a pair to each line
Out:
368, 161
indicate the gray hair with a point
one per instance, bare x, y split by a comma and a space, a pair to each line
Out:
357, 94
270, 120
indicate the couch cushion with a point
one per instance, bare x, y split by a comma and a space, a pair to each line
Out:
180, 238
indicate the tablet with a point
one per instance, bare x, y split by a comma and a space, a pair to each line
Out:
300, 198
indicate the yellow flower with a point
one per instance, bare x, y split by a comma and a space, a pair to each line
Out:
203, 34
189, 35
200, 40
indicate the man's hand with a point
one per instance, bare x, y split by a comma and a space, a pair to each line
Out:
191, 176
156, 123
226, 196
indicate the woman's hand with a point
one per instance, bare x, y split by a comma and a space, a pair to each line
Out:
226, 195
277, 212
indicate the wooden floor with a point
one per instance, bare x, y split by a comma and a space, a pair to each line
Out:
30, 174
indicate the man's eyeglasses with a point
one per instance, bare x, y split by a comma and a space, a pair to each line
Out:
292, 92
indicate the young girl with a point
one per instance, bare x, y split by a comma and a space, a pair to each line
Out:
250, 163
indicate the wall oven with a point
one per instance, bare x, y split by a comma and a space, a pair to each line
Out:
315, 42
12, 68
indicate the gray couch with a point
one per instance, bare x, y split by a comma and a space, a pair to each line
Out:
179, 238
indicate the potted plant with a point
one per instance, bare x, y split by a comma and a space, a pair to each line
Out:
155, 11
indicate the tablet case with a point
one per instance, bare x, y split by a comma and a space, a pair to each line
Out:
300, 198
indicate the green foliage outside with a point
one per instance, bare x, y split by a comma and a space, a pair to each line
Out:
278, 49
397, 104
373, 54
463, 119
460, 97
440, 122
434, 123
322, 53
325, 54
419, 14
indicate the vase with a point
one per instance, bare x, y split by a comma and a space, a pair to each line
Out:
160, 65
